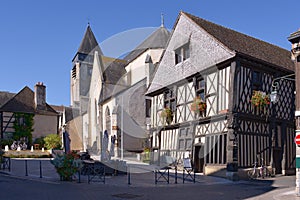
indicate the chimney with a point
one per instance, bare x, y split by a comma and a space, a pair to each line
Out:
149, 69
40, 96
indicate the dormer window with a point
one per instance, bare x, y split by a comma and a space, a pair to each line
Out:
182, 53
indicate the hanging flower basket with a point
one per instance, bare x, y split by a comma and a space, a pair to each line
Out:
198, 106
260, 100
167, 115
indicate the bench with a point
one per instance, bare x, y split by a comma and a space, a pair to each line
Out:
188, 171
162, 173
95, 171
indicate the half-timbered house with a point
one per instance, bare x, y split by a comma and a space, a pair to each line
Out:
222, 68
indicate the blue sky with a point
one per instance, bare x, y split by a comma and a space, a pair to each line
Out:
40, 38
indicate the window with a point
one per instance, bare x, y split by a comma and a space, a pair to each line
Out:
182, 53
170, 100
185, 141
148, 107
200, 88
256, 80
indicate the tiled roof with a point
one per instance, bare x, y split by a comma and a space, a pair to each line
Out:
158, 39
245, 44
23, 102
5, 96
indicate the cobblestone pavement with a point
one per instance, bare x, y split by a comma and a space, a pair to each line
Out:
15, 185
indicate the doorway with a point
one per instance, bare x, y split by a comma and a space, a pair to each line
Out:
199, 158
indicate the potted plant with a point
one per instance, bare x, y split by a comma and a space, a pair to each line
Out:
260, 99
67, 165
167, 115
198, 106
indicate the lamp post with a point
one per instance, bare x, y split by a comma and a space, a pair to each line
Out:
294, 38
274, 95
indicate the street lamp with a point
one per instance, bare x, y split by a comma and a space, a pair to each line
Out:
274, 97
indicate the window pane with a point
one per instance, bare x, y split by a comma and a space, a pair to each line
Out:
182, 133
202, 83
181, 144
188, 144
173, 105
186, 52
178, 56
148, 108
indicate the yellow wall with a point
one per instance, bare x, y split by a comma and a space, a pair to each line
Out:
44, 125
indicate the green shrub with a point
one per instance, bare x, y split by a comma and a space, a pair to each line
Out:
53, 141
4, 142
40, 141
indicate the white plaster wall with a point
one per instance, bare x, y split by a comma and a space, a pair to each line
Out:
95, 90
205, 52
137, 66
85, 131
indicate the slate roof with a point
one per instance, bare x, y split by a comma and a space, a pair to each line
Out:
113, 73
245, 44
23, 102
71, 113
114, 80
114, 69
157, 40
89, 43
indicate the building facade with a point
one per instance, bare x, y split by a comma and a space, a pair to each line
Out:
46, 119
223, 68
110, 94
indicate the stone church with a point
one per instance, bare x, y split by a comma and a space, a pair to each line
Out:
109, 94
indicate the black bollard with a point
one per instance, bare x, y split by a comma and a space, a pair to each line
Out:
128, 175
26, 171
175, 174
41, 176
79, 172
9, 164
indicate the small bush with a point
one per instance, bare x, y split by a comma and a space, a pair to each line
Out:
5, 142
52, 141
40, 141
